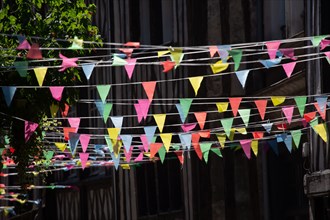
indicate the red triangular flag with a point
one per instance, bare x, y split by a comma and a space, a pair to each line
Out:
322, 114
258, 134
65, 111
149, 88
34, 52
261, 105
66, 131
168, 65
309, 116
154, 147
204, 134
234, 103
195, 143
200, 117
180, 156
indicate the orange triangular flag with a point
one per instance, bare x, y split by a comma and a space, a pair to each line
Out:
200, 117
322, 114
234, 103
67, 130
261, 105
258, 134
309, 116
180, 156
168, 65
154, 147
195, 143
149, 88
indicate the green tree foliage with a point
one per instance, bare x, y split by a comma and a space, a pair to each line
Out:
44, 22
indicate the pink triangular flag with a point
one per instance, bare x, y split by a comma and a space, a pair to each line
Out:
29, 128
129, 67
288, 52
288, 68
84, 141
324, 43
145, 142
144, 106
272, 48
213, 50
234, 103
149, 88
261, 105
188, 127
24, 45
327, 54
56, 92
138, 112
139, 158
128, 154
74, 123
288, 112
200, 117
141, 148
67, 62
83, 159
246, 145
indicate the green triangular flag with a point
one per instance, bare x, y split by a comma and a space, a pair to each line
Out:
103, 91
314, 122
109, 143
296, 135
117, 61
217, 151
205, 148
316, 40
106, 112
245, 115
48, 154
185, 105
175, 147
226, 124
301, 103
21, 67
161, 153
237, 57
176, 55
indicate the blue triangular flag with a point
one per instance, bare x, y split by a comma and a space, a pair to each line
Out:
288, 142
117, 121
242, 76
185, 140
281, 137
270, 63
322, 102
182, 117
8, 92
100, 107
73, 141
88, 69
150, 132
115, 160
127, 141
273, 146
267, 126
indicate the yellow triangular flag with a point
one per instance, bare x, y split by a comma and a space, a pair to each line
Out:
321, 130
125, 166
222, 139
277, 100
53, 110
162, 53
254, 146
113, 133
160, 121
176, 55
196, 82
61, 146
40, 73
219, 66
222, 106
232, 134
241, 130
166, 138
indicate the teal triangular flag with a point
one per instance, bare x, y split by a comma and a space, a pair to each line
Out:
301, 103
103, 91
106, 111
8, 93
73, 141
185, 139
179, 108
88, 69
161, 153
185, 105
217, 151
227, 124
245, 115
127, 141
237, 57
296, 136
267, 126
100, 107
288, 142
242, 76
115, 160
21, 67
117, 61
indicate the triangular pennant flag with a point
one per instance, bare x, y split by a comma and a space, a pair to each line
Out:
48, 154
217, 151
113, 133
139, 158
117, 61
60, 146
154, 148
246, 145
213, 50
83, 159
267, 126
316, 40
162, 53
103, 91
166, 138
241, 130
223, 52
161, 153
106, 111
76, 43
301, 102
288, 68
205, 148
180, 156
128, 154
196, 82
117, 121
129, 67
322, 113
66, 131
73, 141
84, 141
100, 107
127, 141
8, 93
34, 52
138, 111
88, 69
56, 92
237, 57
201, 117
273, 146
176, 55
109, 143
272, 48
160, 121
21, 67
296, 136
245, 115
144, 107
322, 102
288, 112
242, 76
40, 73
65, 111
67, 63
145, 142
234, 103
258, 134
188, 127
29, 128
288, 142
327, 54
219, 66
226, 124
314, 122
53, 110
150, 132
185, 140
309, 116
24, 45
74, 123
185, 105
222, 106
115, 159
321, 130
254, 147
205, 134
195, 143
324, 43
270, 63
261, 105
288, 52
149, 88
168, 65
277, 100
